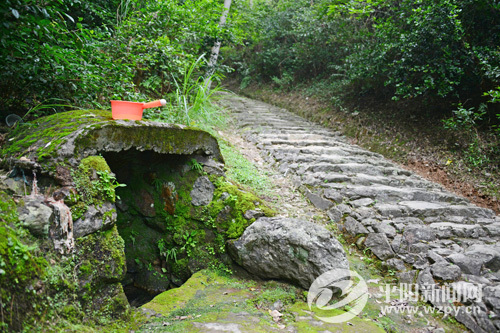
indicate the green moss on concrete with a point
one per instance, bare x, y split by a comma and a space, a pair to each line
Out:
171, 140
176, 298
42, 138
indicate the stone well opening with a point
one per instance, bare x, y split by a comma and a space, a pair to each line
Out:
154, 218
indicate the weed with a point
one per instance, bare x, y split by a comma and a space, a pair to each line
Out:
195, 165
189, 242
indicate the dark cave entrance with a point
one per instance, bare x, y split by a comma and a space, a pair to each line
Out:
146, 218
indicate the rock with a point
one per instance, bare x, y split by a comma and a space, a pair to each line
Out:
333, 195
414, 234
469, 322
397, 246
379, 245
434, 257
422, 208
466, 292
418, 261
418, 248
395, 264
359, 242
476, 279
489, 256
362, 202
426, 284
369, 222
334, 214
253, 214
493, 229
467, 264
443, 252
366, 213
94, 219
353, 227
278, 306
385, 228
407, 277
484, 321
288, 249
344, 209
492, 296
151, 280
36, 216
203, 191
145, 203
389, 210
445, 271
449, 230
13, 186
318, 201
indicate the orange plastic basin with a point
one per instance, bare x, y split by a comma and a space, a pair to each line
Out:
132, 110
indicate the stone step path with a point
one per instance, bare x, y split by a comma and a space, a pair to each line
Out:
416, 227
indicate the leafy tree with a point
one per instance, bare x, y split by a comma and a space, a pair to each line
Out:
85, 53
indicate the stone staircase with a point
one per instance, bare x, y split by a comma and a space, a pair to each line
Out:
416, 227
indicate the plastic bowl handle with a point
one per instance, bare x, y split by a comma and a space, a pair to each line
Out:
154, 104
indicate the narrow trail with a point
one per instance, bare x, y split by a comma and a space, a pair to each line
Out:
417, 228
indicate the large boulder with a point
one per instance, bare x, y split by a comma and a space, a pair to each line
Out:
288, 249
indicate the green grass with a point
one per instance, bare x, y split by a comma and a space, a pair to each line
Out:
243, 172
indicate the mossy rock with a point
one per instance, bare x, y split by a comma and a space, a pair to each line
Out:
210, 301
58, 142
101, 257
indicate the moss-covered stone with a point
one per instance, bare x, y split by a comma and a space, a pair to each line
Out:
101, 257
60, 141
229, 206
210, 301
97, 163
20, 268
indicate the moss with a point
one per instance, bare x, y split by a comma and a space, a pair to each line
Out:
101, 256
20, 268
168, 301
357, 324
209, 298
237, 201
97, 163
42, 138
94, 185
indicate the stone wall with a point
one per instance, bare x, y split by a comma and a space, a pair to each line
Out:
90, 204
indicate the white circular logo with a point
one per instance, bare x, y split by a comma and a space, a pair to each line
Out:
340, 281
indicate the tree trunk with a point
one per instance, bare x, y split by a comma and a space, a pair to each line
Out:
215, 49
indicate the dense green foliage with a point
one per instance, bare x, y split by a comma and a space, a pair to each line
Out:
438, 59
84, 53
438, 52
